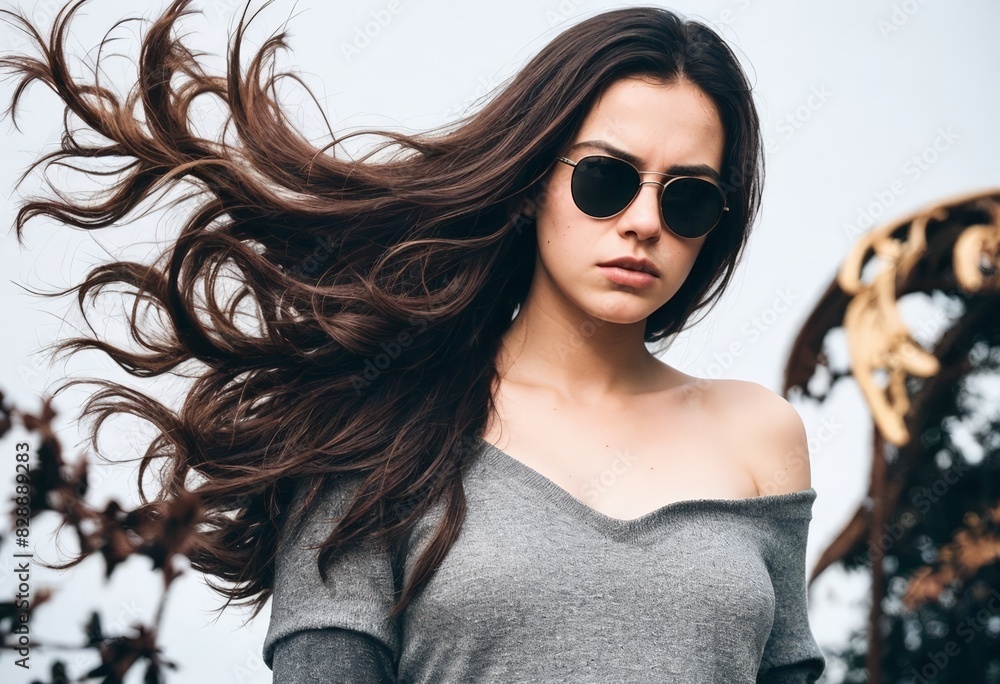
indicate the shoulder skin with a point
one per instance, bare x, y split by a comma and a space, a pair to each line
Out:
764, 427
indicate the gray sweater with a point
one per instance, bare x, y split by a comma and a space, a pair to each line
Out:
540, 587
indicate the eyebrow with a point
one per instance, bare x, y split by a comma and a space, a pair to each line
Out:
676, 169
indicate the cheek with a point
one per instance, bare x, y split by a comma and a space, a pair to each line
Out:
554, 244
692, 249
559, 228
687, 256
677, 259
556, 205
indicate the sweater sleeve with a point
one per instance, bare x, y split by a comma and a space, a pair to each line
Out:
331, 655
358, 593
791, 654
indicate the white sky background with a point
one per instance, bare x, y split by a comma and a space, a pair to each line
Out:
896, 79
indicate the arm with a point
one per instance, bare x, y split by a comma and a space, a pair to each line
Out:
791, 654
326, 626
331, 655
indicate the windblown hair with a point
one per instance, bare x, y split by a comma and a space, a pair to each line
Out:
381, 286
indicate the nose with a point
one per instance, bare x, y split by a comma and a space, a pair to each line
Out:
643, 217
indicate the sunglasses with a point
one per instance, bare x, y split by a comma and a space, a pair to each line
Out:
603, 187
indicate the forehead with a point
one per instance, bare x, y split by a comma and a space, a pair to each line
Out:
657, 123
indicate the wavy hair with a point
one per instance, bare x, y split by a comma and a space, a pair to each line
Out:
380, 287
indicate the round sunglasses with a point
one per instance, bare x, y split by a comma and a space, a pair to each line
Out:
603, 187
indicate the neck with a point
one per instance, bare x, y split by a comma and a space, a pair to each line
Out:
582, 358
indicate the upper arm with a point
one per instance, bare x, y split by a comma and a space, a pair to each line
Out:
358, 593
771, 431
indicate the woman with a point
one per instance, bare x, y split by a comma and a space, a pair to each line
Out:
447, 450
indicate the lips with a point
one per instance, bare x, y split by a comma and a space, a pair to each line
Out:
633, 264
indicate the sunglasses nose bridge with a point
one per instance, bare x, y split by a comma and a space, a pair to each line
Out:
657, 193
660, 186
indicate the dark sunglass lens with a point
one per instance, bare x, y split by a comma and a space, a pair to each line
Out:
692, 206
603, 186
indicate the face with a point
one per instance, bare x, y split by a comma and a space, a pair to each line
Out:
662, 126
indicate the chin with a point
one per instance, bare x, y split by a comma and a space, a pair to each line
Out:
622, 313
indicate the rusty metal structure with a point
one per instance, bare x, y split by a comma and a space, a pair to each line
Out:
952, 247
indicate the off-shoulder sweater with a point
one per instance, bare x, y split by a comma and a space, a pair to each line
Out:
540, 587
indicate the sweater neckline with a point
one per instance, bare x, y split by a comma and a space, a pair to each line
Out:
789, 504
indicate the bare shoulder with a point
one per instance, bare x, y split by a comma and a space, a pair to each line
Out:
764, 427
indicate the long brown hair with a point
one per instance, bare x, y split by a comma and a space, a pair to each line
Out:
380, 287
